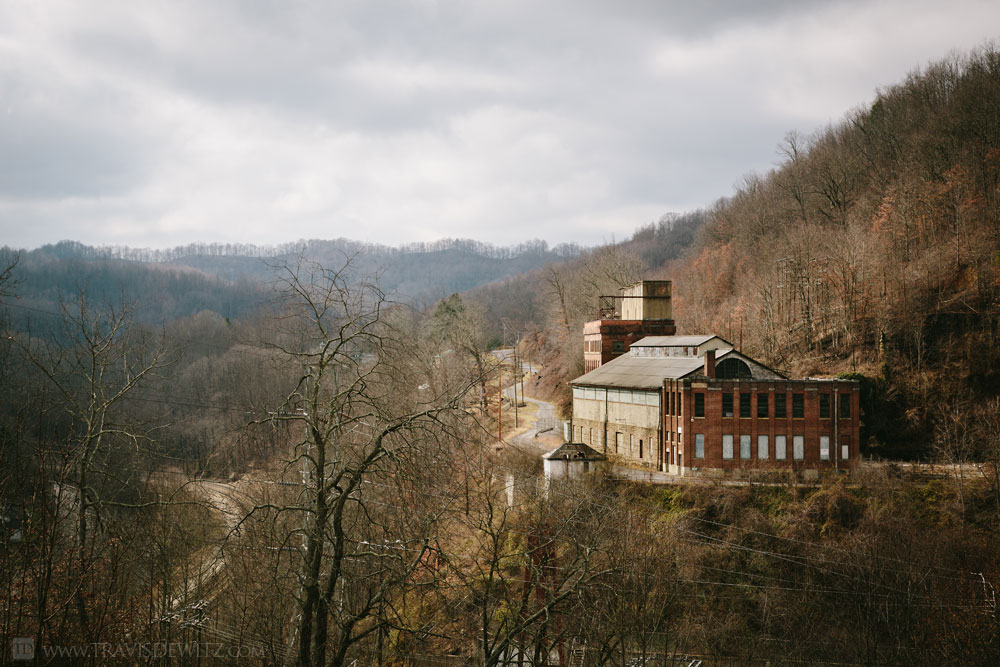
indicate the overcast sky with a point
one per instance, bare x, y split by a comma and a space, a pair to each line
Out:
154, 124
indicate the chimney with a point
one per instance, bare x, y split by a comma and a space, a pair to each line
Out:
710, 363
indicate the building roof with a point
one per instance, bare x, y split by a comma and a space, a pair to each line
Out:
575, 451
648, 373
630, 372
678, 341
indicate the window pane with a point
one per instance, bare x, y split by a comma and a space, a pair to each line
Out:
744, 446
824, 406
779, 447
744, 405
779, 406
798, 406
727, 405
845, 406
762, 452
798, 447
824, 448
762, 405
727, 446
699, 446
699, 405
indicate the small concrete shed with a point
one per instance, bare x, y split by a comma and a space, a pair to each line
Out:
572, 460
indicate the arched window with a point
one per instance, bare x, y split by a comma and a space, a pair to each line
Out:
732, 369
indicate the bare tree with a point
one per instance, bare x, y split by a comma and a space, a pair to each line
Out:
366, 434
93, 364
525, 559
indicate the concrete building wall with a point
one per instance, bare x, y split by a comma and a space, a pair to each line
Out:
647, 300
626, 433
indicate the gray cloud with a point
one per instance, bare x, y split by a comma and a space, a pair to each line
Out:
159, 124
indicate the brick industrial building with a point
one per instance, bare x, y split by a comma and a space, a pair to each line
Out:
694, 404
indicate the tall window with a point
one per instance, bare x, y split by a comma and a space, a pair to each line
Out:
798, 447
779, 406
845, 406
727, 446
744, 405
824, 448
699, 446
699, 405
745, 447
762, 452
762, 405
798, 406
824, 406
727, 405
780, 445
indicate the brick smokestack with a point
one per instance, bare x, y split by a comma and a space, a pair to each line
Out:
710, 363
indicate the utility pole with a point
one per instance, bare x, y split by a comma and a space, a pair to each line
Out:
500, 401
516, 376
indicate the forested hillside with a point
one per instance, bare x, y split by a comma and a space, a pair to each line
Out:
873, 248
417, 273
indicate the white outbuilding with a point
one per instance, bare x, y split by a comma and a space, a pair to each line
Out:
572, 460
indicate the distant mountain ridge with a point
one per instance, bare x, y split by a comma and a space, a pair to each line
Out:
232, 279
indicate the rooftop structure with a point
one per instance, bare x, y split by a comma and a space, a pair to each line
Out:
640, 310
